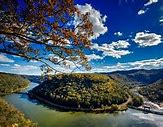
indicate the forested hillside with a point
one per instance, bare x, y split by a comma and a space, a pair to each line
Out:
83, 91
154, 91
9, 115
10, 83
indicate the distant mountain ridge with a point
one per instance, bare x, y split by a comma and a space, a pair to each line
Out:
129, 77
141, 76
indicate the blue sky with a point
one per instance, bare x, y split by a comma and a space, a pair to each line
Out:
127, 35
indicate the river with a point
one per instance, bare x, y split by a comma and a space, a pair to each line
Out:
47, 117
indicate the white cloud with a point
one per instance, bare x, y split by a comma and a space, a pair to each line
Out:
94, 57
143, 64
95, 18
116, 53
140, 12
16, 65
6, 65
120, 44
4, 58
118, 34
104, 18
150, 2
23, 68
161, 19
115, 49
147, 39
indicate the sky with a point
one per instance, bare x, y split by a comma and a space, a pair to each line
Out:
128, 34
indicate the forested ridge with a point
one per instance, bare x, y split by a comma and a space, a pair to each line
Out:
87, 91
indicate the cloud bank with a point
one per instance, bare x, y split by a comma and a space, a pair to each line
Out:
143, 64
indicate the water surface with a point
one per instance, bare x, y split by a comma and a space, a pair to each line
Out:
48, 117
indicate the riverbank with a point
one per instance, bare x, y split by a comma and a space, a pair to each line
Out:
9, 115
106, 109
14, 91
51, 117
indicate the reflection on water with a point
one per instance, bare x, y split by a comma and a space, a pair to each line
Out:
46, 117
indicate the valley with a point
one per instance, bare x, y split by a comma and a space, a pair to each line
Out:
34, 106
